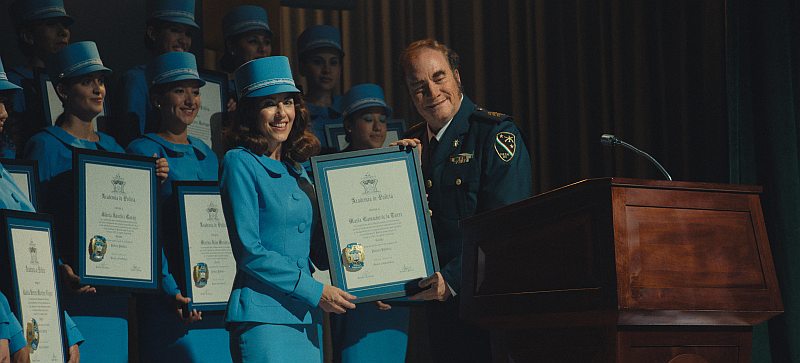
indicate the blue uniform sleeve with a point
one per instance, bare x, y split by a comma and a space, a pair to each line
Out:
506, 178
74, 335
134, 96
10, 328
240, 205
36, 149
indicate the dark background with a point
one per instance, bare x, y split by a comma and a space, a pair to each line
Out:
711, 88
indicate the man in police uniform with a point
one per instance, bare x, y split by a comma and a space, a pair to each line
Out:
473, 161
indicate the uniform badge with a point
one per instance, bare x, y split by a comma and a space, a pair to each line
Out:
97, 248
32, 334
200, 274
505, 145
462, 158
353, 257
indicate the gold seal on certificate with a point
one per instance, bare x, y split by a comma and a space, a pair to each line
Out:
97, 248
353, 257
32, 334
200, 274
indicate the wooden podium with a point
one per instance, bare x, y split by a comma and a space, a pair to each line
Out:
622, 270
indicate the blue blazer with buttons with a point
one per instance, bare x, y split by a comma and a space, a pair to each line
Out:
269, 221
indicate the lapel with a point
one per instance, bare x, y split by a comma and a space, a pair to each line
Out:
455, 131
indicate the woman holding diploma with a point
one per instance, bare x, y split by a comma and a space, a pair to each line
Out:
163, 332
78, 75
373, 330
12, 338
268, 201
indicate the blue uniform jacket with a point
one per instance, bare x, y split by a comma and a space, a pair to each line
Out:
469, 175
269, 222
11, 197
136, 98
195, 161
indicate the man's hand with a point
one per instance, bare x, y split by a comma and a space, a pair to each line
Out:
335, 300
180, 302
410, 143
437, 288
382, 306
73, 281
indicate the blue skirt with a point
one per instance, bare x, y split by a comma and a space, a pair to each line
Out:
365, 333
103, 320
262, 342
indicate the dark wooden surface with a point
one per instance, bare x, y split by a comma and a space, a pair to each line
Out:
622, 270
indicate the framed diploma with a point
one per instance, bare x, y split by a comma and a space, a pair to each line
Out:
26, 176
29, 282
376, 222
336, 135
208, 264
116, 219
207, 126
52, 104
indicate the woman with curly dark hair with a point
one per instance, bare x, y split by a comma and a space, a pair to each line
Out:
274, 309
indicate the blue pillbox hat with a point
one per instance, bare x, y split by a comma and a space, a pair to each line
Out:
174, 11
319, 36
5, 84
173, 67
363, 96
245, 18
264, 76
75, 60
26, 11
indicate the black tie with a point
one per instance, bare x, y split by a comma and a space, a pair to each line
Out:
427, 159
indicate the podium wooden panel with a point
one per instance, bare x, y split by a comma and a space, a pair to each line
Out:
622, 270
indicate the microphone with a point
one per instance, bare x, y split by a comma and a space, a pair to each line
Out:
611, 140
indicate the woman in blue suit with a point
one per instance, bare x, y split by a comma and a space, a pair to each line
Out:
78, 75
268, 201
12, 339
373, 330
164, 335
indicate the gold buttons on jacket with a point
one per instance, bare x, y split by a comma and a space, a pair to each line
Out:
458, 181
428, 183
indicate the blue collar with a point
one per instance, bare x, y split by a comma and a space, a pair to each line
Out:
271, 165
105, 142
179, 149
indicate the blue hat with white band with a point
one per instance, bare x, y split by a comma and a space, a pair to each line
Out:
75, 60
264, 76
174, 11
363, 96
5, 84
319, 36
245, 18
173, 67
26, 11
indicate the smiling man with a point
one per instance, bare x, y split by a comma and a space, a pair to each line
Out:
473, 161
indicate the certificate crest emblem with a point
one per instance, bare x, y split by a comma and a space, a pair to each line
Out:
32, 249
200, 274
97, 248
213, 212
353, 257
370, 184
118, 183
505, 145
32, 334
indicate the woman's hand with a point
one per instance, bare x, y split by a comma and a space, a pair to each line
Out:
162, 168
22, 356
73, 281
180, 302
74, 354
335, 300
231, 106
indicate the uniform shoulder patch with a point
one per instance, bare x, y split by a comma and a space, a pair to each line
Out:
490, 116
505, 145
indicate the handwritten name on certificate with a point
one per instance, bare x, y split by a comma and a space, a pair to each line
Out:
373, 206
37, 292
118, 222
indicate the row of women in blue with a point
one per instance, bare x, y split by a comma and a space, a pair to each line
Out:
13, 343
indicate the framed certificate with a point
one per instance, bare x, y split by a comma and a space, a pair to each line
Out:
335, 134
207, 259
52, 104
29, 282
116, 219
376, 222
207, 126
26, 176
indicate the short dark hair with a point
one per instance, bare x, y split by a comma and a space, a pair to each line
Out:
158, 25
449, 54
245, 131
